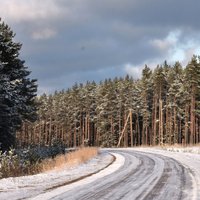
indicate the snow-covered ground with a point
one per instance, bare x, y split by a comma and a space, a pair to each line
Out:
130, 163
145, 173
188, 149
30, 186
189, 157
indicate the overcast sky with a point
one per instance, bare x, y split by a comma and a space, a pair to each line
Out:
68, 41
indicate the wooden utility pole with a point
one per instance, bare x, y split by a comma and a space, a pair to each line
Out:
125, 138
123, 131
131, 127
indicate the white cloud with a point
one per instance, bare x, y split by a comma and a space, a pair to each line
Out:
22, 10
184, 50
43, 34
167, 43
176, 47
40, 19
134, 71
161, 44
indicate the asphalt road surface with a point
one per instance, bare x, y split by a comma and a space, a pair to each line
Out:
144, 175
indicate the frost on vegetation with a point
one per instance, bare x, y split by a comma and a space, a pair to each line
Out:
27, 161
10, 164
194, 149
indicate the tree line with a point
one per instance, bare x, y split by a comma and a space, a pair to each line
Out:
162, 107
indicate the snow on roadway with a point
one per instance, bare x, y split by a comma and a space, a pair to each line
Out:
189, 157
112, 168
30, 186
147, 173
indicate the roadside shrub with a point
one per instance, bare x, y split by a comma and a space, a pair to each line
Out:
26, 161
10, 164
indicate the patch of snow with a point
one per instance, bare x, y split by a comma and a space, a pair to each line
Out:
30, 186
112, 168
195, 149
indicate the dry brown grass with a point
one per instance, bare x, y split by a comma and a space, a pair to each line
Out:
71, 159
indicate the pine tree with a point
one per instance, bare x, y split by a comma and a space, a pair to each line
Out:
17, 90
193, 80
146, 99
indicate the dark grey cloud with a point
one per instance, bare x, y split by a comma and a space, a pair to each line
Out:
68, 41
149, 12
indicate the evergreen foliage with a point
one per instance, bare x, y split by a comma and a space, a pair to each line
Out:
161, 108
17, 90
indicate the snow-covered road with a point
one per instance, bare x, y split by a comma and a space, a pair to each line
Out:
31, 186
139, 173
146, 174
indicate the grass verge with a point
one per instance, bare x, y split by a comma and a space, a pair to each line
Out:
79, 156
12, 165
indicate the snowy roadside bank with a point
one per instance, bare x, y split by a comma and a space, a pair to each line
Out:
188, 149
30, 186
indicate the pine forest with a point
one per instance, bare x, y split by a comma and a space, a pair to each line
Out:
160, 108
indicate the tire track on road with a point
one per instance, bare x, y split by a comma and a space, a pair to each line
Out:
143, 176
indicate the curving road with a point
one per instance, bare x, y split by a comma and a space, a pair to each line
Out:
144, 176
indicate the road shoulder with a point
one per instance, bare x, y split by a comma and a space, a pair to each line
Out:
31, 186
